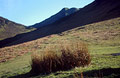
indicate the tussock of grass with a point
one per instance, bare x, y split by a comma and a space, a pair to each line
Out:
62, 57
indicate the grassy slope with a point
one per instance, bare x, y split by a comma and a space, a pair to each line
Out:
9, 29
7, 32
103, 38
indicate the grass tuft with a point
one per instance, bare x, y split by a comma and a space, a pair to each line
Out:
63, 57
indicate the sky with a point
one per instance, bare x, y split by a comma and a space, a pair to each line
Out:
29, 12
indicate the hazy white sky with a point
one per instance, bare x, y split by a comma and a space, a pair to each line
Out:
29, 12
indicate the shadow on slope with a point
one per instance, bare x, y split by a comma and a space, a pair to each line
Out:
108, 72
113, 72
97, 11
26, 75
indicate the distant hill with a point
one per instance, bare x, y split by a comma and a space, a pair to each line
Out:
10, 29
97, 11
64, 12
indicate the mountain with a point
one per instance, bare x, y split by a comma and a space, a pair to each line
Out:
9, 29
64, 12
99, 10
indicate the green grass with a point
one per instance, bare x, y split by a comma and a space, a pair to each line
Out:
99, 49
101, 58
17, 66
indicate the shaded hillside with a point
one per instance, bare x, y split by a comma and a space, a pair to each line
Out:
10, 29
99, 10
64, 12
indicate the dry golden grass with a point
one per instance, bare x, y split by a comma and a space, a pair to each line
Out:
60, 57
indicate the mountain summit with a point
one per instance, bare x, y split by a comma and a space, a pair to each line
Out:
64, 12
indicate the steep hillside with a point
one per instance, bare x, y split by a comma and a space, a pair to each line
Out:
97, 11
10, 29
105, 33
103, 39
64, 12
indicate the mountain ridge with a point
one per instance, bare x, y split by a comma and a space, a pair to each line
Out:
62, 13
